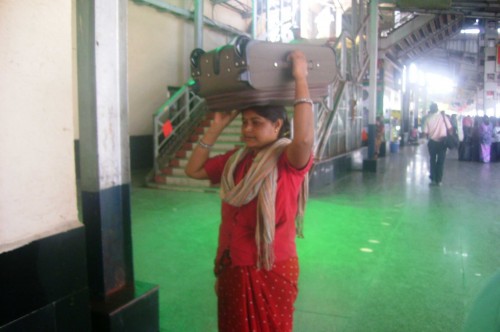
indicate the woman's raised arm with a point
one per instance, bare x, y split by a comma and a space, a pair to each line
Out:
299, 151
194, 167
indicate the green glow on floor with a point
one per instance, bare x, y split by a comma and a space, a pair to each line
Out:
382, 252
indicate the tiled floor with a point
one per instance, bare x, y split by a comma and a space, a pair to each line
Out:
383, 251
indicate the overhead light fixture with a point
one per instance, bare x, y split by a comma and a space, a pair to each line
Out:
472, 31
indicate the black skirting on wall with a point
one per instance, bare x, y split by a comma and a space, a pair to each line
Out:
141, 153
118, 302
326, 172
44, 285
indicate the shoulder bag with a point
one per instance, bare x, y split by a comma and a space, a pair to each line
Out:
451, 140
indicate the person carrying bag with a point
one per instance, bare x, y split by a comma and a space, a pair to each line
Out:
437, 128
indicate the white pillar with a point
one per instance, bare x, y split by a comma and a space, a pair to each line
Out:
373, 55
198, 23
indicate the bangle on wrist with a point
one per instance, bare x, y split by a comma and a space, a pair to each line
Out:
303, 101
205, 145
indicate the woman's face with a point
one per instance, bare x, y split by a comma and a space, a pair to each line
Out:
258, 131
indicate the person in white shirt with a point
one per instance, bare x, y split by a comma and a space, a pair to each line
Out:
436, 128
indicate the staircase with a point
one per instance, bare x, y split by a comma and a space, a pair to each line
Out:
172, 176
418, 36
190, 119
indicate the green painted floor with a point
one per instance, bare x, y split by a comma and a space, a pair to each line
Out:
382, 251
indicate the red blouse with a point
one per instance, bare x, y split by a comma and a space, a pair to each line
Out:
237, 229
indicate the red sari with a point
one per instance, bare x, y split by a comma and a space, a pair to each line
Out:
258, 300
251, 299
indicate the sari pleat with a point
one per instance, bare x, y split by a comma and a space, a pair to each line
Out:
251, 299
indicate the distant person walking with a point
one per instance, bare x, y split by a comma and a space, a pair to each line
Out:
436, 128
379, 135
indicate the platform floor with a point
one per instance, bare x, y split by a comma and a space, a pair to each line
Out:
382, 252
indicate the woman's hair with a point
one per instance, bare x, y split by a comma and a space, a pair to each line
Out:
486, 120
273, 114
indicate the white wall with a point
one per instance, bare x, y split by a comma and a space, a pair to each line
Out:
160, 44
38, 102
37, 168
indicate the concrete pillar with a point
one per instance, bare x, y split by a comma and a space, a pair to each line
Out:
255, 12
198, 24
491, 41
371, 164
354, 30
118, 302
405, 106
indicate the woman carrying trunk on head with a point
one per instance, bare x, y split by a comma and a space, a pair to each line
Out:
263, 192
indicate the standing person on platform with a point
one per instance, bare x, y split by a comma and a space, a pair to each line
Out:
485, 136
495, 144
423, 121
467, 124
379, 134
436, 128
263, 191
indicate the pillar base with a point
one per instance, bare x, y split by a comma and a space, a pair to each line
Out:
135, 311
369, 165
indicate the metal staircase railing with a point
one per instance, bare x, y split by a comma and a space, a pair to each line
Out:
338, 129
325, 120
184, 110
338, 125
